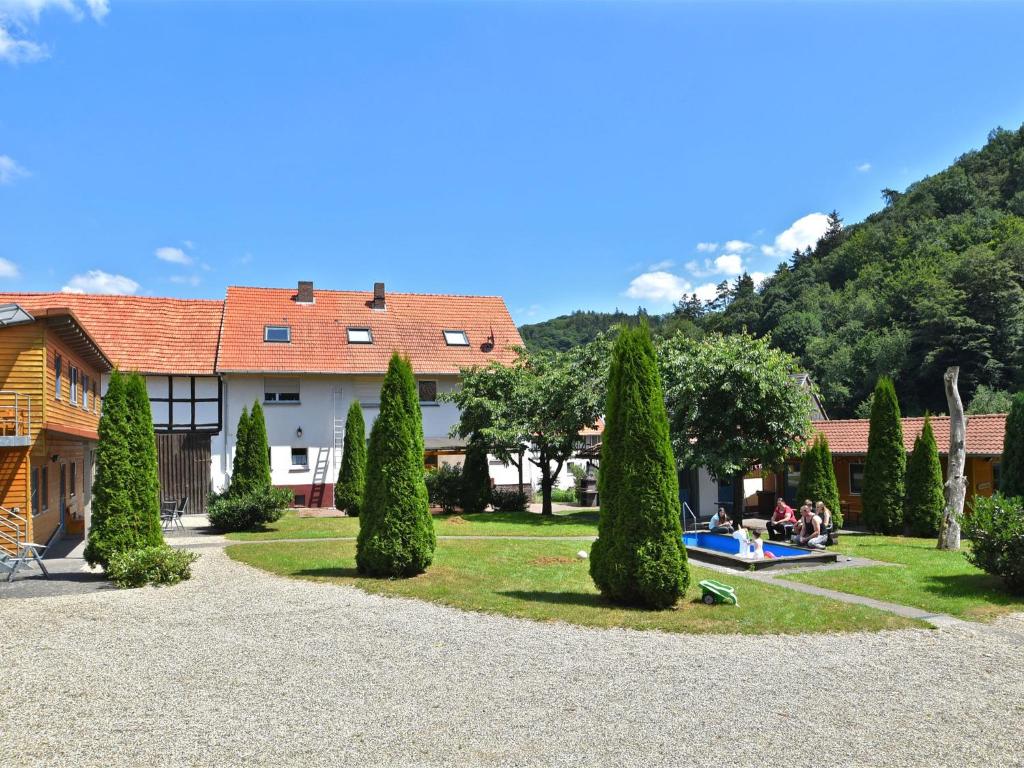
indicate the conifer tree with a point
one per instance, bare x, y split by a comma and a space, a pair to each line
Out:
885, 466
638, 558
258, 449
351, 485
829, 487
922, 508
114, 527
396, 533
1011, 478
476, 477
809, 467
142, 441
240, 475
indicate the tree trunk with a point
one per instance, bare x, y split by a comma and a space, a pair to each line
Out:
546, 482
519, 466
956, 483
737, 500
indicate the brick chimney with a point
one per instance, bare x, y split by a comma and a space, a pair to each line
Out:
378, 297
305, 292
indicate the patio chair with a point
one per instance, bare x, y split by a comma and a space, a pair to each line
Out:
171, 512
28, 553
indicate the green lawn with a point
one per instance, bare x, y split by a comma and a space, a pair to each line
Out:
927, 578
543, 580
291, 526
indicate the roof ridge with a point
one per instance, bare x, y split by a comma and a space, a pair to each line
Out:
370, 292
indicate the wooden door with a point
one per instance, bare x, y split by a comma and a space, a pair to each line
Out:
184, 459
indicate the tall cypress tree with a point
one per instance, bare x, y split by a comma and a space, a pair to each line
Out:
240, 475
258, 449
922, 508
829, 488
638, 558
1011, 470
476, 477
885, 466
396, 532
142, 440
809, 468
351, 485
113, 527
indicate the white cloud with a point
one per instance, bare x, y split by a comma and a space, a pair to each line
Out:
661, 265
864, 167
706, 292
17, 51
98, 8
186, 279
98, 281
758, 277
8, 268
658, 286
707, 247
729, 264
173, 255
737, 246
18, 14
804, 232
10, 170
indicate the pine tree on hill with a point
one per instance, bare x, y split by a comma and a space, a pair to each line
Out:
142, 440
638, 558
885, 466
922, 509
1011, 479
476, 477
351, 485
240, 476
396, 533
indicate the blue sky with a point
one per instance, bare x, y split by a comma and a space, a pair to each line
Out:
564, 155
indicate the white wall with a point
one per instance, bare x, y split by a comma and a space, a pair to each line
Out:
314, 414
509, 475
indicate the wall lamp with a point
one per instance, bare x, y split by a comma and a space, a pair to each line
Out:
298, 432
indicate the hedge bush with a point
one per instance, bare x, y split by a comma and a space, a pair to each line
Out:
885, 466
996, 530
563, 495
351, 485
509, 500
248, 511
157, 565
396, 532
638, 558
476, 477
444, 486
922, 508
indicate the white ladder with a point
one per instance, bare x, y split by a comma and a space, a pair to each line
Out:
339, 430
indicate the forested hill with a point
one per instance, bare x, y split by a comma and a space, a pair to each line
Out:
935, 278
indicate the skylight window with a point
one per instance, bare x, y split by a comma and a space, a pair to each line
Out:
456, 339
277, 333
360, 336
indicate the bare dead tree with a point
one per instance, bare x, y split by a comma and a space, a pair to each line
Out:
956, 483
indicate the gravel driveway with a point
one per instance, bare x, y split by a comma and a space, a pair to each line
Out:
240, 668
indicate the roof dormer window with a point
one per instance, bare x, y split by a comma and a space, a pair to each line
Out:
360, 336
281, 334
456, 338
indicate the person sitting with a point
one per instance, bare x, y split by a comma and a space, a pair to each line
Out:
780, 527
756, 545
808, 532
720, 522
826, 520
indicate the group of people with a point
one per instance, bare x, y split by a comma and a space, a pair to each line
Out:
810, 529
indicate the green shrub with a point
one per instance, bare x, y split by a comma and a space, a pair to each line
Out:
124, 490
922, 508
348, 491
885, 466
240, 475
563, 495
476, 477
638, 558
1011, 480
258, 462
509, 500
818, 478
444, 486
996, 530
396, 532
157, 565
248, 511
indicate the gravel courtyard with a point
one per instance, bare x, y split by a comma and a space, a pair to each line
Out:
240, 668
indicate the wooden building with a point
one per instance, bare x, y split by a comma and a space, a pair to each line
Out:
50, 373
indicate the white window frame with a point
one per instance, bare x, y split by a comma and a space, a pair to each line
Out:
449, 333
299, 467
74, 385
85, 391
287, 332
58, 376
275, 387
419, 397
357, 329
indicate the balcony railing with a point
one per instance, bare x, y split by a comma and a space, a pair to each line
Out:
15, 418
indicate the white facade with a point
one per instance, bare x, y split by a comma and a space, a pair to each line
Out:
311, 427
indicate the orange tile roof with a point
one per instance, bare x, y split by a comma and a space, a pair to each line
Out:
142, 333
411, 324
985, 433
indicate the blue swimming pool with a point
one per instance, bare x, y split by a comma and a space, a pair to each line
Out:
719, 548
